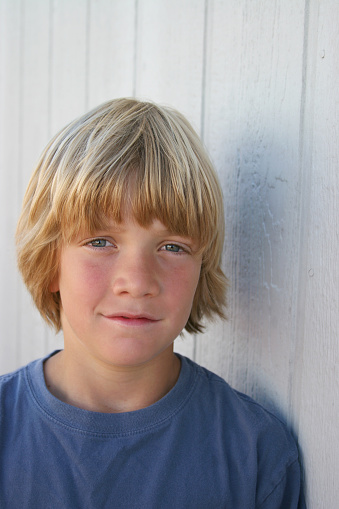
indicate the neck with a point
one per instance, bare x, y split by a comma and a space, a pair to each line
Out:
92, 385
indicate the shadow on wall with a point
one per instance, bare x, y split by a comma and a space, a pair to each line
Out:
262, 229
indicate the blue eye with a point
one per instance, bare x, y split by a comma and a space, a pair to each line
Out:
99, 243
173, 248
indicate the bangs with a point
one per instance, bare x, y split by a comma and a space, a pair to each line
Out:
132, 192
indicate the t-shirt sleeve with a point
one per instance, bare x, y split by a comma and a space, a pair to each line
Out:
288, 493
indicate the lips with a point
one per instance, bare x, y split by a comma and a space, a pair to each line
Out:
129, 319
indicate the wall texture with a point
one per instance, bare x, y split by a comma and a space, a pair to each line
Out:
259, 81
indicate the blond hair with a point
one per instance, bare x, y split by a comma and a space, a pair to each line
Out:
83, 176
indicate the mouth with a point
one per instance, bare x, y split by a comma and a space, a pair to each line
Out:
132, 320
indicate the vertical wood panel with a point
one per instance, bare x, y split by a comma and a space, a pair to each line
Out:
316, 403
112, 48
69, 61
10, 156
170, 51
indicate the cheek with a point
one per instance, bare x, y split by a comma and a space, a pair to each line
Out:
82, 281
183, 285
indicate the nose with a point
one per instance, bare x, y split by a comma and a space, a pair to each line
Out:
136, 275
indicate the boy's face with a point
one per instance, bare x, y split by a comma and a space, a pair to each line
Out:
126, 291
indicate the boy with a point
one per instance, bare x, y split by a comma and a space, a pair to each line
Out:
119, 243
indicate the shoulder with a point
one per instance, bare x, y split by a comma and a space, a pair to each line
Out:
237, 411
10, 380
12, 383
16, 387
223, 395
12, 392
236, 404
250, 436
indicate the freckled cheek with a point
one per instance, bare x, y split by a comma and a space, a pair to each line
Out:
86, 281
182, 284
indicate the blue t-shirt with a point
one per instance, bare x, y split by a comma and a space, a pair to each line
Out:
202, 446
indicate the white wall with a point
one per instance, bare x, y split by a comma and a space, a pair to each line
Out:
259, 80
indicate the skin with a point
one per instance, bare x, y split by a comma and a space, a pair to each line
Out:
126, 294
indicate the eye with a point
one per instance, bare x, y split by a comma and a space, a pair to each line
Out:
99, 243
173, 248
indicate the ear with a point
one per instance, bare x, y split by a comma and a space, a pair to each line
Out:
54, 284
